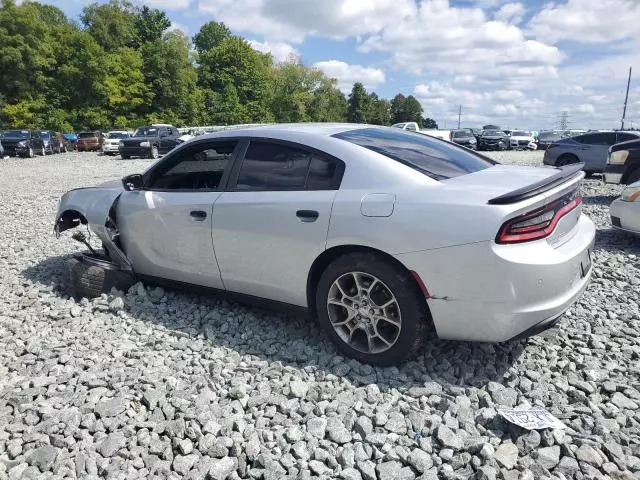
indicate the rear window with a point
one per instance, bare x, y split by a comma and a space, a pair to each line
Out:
461, 134
87, 135
435, 158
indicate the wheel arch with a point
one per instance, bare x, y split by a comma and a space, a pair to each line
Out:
325, 258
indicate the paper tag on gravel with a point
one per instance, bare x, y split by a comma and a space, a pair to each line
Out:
530, 418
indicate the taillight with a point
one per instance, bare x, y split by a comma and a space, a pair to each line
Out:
539, 223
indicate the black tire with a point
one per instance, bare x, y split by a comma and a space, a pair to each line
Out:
567, 159
414, 313
31, 153
43, 152
153, 153
91, 276
125, 157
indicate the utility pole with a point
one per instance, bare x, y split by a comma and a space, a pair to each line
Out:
626, 99
460, 113
564, 121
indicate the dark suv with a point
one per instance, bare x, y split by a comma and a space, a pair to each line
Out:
623, 163
150, 141
493, 140
23, 143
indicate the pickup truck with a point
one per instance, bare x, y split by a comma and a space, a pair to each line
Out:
413, 127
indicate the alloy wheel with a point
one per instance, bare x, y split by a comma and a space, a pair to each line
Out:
364, 312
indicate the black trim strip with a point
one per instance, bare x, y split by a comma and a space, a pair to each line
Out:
539, 187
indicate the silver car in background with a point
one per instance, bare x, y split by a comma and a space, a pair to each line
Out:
386, 236
591, 149
625, 210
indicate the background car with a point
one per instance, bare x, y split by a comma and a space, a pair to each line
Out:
384, 235
23, 143
1, 149
522, 140
493, 140
112, 140
625, 210
60, 143
89, 141
48, 140
547, 138
150, 141
623, 163
72, 138
465, 138
590, 148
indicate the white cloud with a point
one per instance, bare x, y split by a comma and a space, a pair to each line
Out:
588, 21
510, 13
175, 26
280, 51
347, 74
167, 4
293, 20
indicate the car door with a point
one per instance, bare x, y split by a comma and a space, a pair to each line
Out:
36, 142
165, 227
272, 223
595, 149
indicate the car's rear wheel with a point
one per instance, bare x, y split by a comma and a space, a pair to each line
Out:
371, 309
153, 152
567, 159
92, 275
125, 157
31, 153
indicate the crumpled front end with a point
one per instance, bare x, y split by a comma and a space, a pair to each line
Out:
92, 207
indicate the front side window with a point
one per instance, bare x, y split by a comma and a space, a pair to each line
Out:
274, 166
625, 137
435, 158
198, 167
607, 139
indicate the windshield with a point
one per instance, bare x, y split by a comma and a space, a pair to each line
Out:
117, 135
45, 135
87, 135
16, 134
146, 132
435, 158
520, 133
486, 133
462, 134
550, 136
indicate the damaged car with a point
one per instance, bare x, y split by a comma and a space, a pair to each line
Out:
386, 237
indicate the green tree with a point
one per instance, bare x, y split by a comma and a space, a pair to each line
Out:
412, 110
112, 25
397, 109
150, 23
358, 104
126, 91
210, 36
379, 110
233, 63
429, 123
328, 103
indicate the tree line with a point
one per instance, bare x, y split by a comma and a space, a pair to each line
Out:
121, 65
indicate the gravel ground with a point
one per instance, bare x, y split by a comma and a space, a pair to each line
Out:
164, 384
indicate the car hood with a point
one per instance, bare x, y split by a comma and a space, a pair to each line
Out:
493, 137
518, 137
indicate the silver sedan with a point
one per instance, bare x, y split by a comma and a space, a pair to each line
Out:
386, 236
625, 211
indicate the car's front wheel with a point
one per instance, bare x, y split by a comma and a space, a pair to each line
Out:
371, 309
153, 152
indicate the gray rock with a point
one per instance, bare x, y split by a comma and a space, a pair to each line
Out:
548, 457
396, 424
317, 427
110, 445
110, 408
43, 457
420, 460
299, 388
185, 446
486, 472
507, 455
184, 463
587, 453
221, 469
350, 474
367, 469
622, 401
151, 398
319, 468
389, 470
337, 432
448, 438
363, 426
567, 466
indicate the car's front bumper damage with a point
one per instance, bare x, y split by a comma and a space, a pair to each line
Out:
92, 207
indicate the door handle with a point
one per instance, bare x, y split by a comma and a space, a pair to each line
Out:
307, 215
198, 215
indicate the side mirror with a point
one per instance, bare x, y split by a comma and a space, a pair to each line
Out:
132, 182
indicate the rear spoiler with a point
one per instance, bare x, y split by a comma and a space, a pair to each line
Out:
563, 175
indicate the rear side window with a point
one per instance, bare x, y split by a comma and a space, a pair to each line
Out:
275, 166
625, 137
603, 138
435, 158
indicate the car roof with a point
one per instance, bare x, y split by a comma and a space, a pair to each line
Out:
317, 129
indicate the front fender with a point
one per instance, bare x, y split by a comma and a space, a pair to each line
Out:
91, 206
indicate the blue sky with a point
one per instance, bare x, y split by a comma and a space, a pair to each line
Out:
514, 63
